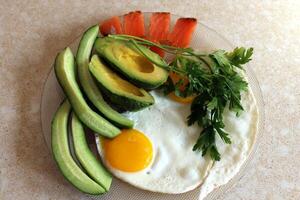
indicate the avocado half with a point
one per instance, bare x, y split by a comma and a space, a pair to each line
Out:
125, 58
119, 91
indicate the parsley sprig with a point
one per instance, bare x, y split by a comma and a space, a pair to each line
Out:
214, 79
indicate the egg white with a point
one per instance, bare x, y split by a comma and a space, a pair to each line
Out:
175, 168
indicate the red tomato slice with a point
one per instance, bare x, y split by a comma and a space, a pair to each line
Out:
111, 26
159, 26
159, 29
182, 32
134, 24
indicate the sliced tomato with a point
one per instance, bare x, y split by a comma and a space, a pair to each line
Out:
159, 26
134, 24
111, 26
159, 29
182, 32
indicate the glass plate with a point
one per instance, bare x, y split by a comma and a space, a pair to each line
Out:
204, 39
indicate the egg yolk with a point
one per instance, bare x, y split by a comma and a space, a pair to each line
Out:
184, 100
130, 151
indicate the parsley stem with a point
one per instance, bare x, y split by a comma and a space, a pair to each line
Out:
167, 48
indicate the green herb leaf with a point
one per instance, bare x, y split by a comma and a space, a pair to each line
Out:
206, 143
240, 56
213, 104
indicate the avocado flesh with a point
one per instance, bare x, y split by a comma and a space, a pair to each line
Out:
65, 73
62, 156
88, 84
125, 58
118, 90
85, 156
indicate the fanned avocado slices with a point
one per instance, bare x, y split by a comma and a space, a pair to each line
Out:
119, 91
88, 83
85, 156
65, 74
61, 152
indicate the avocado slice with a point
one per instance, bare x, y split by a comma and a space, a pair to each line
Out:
88, 84
65, 74
131, 63
118, 90
85, 156
62, 156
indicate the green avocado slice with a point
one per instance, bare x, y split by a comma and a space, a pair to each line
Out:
125, 58
62, 156
65, 74
88, 84
85, 156
118, 90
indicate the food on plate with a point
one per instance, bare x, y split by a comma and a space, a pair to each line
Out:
134, 24
159, 27
216, 81
159, 30
182, 32
184, 100
62, 156
85, 156
65, 72
88, 83
119, 91
131, 152
111, 26
174, 168
194, 121
130, 62
177, 79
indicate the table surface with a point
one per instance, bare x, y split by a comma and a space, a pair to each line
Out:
32, 32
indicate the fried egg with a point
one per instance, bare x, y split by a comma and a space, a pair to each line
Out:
156, 155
